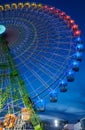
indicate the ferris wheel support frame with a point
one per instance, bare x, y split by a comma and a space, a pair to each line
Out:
25, 96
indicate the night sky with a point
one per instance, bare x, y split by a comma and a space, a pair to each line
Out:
71, 105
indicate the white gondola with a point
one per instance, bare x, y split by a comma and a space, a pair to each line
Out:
80, 47
53, 96
75, 66
78, 56
63, 89
78, 40
40, 105
63, 86
70, 76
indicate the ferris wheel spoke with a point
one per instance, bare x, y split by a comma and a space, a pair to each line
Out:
53, 54
48, 88
38, 77
42, 62
30, 68
56, 62
47, 65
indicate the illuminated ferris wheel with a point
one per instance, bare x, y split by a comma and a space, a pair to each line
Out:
40, 51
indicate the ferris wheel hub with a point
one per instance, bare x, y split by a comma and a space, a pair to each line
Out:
2, 29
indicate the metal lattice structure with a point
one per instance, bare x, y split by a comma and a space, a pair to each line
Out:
13, 93
40, 51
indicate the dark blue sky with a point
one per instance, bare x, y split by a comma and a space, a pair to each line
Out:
72, 104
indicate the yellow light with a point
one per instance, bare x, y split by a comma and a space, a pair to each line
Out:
27, 5
10, 120
7, 6
20, 5
14, 5
26, 114
34, 5
40, 6
1, 8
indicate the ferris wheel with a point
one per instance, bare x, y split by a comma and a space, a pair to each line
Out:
41, 50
